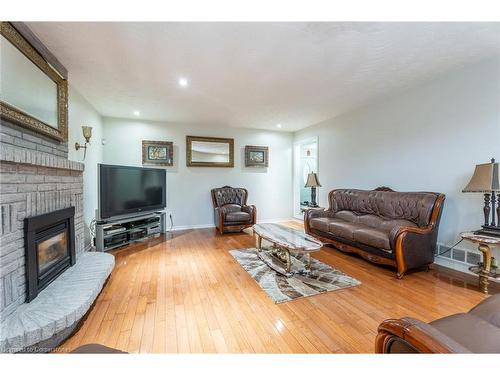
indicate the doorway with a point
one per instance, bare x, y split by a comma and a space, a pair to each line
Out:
305, 162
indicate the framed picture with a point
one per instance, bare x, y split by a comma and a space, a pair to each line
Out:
256, 156
209, 152
158, 153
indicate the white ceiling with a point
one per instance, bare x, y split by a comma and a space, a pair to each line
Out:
256, 75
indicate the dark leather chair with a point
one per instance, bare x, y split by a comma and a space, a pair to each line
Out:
231, 212
96, 349
383, 226
477, 331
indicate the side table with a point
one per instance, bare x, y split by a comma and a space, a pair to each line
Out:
485, 243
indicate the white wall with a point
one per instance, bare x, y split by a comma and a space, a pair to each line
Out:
427, 138
188, 188
81, 113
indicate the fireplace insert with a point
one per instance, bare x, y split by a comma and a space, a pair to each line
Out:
50, 248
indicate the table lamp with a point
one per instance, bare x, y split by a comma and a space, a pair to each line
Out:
486, 180
313, 183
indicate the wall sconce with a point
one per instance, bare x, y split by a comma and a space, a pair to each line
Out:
87, 134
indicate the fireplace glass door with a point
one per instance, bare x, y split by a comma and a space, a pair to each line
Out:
50, 248
51, 251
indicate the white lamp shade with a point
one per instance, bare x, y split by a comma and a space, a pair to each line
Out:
484, 180
312, 180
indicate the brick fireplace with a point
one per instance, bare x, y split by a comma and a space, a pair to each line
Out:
48, 281
36, 178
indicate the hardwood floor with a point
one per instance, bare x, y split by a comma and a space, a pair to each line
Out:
185, 293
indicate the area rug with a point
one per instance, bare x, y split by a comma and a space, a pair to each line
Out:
279, 288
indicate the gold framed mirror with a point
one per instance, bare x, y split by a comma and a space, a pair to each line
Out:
34, 93
209, 152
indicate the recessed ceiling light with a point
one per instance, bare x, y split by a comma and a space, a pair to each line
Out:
183, 82
137, 113
278, 126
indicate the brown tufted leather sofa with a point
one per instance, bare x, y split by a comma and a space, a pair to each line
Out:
383, 226
231, 212
477, 331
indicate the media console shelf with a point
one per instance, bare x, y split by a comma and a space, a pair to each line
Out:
112, 234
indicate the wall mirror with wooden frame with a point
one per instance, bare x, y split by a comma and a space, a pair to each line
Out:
34, 92
209, 152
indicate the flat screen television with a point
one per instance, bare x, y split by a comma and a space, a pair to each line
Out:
130, 190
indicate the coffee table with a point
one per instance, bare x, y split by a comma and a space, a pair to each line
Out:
285, 241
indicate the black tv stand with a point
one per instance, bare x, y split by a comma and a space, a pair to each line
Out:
111, 234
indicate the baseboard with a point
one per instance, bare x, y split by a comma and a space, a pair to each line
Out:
278, 220
460, 254
205, 226
452, 264
187, 227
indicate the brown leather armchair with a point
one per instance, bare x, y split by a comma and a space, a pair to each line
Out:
477, 331
231, 212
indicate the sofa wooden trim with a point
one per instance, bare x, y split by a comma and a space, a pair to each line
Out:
403, 237
417, 336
